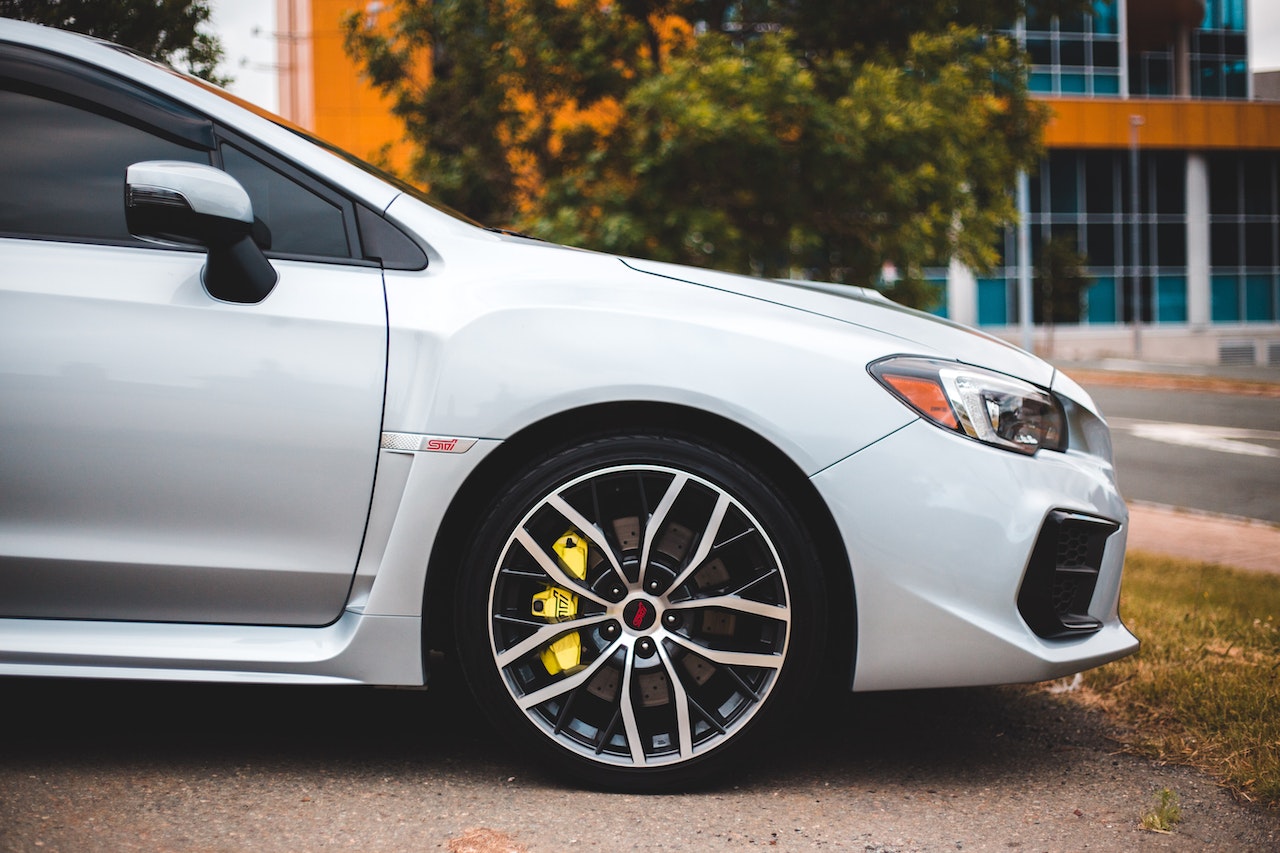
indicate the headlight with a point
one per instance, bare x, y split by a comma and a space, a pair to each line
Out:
983, 405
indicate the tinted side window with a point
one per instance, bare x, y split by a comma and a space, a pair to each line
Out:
62, 168
301, 222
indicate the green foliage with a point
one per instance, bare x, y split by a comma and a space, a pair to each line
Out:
476, 81
707, 162
1166, 813
168, 31
771, 137
1205, 687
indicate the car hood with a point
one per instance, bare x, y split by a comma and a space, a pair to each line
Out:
921, 334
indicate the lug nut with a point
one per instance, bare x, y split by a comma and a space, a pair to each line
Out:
610, 631
645, 647
671, 620
654, 586
616, 592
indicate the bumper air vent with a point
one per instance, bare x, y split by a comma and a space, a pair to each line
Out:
1058, 587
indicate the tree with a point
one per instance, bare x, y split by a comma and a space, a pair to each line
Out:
168, 31
502, 96
765, 136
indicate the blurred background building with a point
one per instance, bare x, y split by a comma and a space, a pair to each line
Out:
1163, 83
1171, 78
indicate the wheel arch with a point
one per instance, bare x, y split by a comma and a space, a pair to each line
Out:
470, 504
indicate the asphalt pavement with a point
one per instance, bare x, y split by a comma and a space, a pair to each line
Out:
102, 767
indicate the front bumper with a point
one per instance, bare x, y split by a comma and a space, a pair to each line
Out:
940, 532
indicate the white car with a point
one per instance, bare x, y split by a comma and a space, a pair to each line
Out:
267, 416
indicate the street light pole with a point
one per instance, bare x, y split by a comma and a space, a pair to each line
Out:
1135, 242
1024, 259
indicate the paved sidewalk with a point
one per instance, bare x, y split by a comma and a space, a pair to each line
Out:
1192, 535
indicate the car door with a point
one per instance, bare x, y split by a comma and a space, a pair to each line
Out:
165, 456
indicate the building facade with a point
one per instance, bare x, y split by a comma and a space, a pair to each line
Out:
1190, 249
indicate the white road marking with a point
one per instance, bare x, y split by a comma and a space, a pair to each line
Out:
1221, 439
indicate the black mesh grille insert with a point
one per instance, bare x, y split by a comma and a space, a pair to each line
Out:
1073, 545
1063, 593
1058, 587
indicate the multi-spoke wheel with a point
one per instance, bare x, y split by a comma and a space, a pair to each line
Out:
635, 604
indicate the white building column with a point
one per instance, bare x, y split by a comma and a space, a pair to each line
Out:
962, 294
1198, 293
296, 75
1024, 260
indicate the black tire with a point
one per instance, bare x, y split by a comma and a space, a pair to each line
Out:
664, 670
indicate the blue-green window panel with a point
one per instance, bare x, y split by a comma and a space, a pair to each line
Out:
937, 282
993, 302
1224, 15
1105, 21
1074, 84
1171, 299
1106, 84
1053, 81
1259, 306
1100, 299
1224, 297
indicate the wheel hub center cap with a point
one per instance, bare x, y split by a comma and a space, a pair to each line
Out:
639, 615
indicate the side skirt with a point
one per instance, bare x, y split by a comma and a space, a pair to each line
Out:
353, 650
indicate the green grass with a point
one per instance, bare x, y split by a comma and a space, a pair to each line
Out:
1166, 813
1205, 688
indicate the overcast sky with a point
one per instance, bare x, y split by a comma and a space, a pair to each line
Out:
248, 31
1264, 35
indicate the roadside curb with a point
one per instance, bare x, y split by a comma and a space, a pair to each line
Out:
1205, 514
1175, 382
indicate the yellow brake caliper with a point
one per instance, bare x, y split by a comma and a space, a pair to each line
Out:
556, 604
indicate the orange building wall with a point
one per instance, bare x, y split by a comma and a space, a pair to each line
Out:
1167, 123
340, 106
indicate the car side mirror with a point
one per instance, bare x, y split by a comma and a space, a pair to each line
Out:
171, 201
